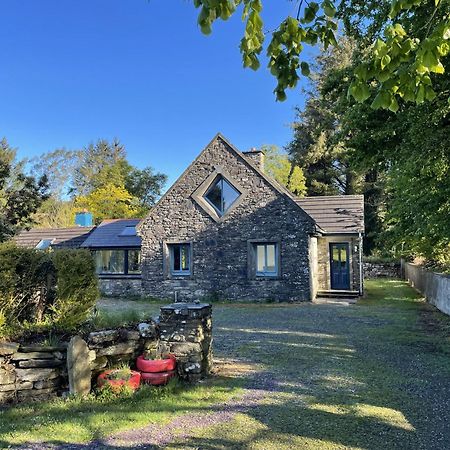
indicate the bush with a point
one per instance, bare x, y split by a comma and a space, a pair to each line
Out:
374, 259
41, 291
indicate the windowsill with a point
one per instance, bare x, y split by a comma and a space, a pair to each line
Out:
267, 277
115, 276
180, 275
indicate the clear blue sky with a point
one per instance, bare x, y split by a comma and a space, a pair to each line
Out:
140, 70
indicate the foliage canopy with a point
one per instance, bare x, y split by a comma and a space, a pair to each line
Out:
400, 64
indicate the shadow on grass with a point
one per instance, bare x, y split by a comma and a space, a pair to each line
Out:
332, 377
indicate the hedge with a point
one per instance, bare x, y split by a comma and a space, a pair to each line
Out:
45, 291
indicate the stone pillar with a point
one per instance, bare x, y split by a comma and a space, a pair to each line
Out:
186, 331
78, 366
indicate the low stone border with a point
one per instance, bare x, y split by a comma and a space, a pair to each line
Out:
33, 373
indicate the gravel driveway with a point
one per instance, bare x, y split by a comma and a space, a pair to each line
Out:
375, 375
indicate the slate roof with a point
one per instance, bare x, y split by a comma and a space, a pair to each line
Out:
71, 237
335, 213
107, 234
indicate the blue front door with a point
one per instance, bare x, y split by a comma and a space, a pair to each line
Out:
340, 266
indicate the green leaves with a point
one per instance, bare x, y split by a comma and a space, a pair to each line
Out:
305, 69
359, 91
400, 58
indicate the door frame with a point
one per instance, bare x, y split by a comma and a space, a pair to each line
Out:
330, 250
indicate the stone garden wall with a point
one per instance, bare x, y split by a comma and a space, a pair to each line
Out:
31, 372
34, 373
381, 270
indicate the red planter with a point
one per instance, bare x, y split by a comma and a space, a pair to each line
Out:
156, 365
157, 379
116, 385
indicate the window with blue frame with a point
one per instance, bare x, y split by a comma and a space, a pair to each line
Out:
180, 259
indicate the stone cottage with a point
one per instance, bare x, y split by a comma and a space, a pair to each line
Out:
227, 230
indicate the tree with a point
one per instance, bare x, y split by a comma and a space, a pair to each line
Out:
55, 213
20, 195
400, 65
145, 185
100, 164
58, 166
109, 202
79, 178
278, 166
317, 146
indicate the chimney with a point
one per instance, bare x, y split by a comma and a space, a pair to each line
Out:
83, 219
257, 157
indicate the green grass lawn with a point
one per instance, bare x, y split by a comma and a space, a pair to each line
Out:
373, 375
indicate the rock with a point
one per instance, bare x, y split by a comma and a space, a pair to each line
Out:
41, 363
55, 382
59, 355
43, 394
78, 367
177, 337
100, 337
92, 356
147, 330
36, 374
117, 349
192, 368
185, 348
44, 348
16, 386
99, 363
20, 356
7, 396
130, 335
8, 348
7, 376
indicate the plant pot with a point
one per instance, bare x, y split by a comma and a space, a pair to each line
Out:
157, 379
133, 382
156, 365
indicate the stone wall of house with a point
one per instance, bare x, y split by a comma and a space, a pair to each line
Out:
35, 373
220, 249
30, 373
120, 287
434, 286
381, 270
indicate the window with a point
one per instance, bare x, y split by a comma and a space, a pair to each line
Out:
180, 259
266, 259
221, 195
128, 231
118, 262
44, 244
134, 262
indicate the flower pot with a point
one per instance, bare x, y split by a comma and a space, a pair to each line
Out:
117, 384
157, 379
156, 365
